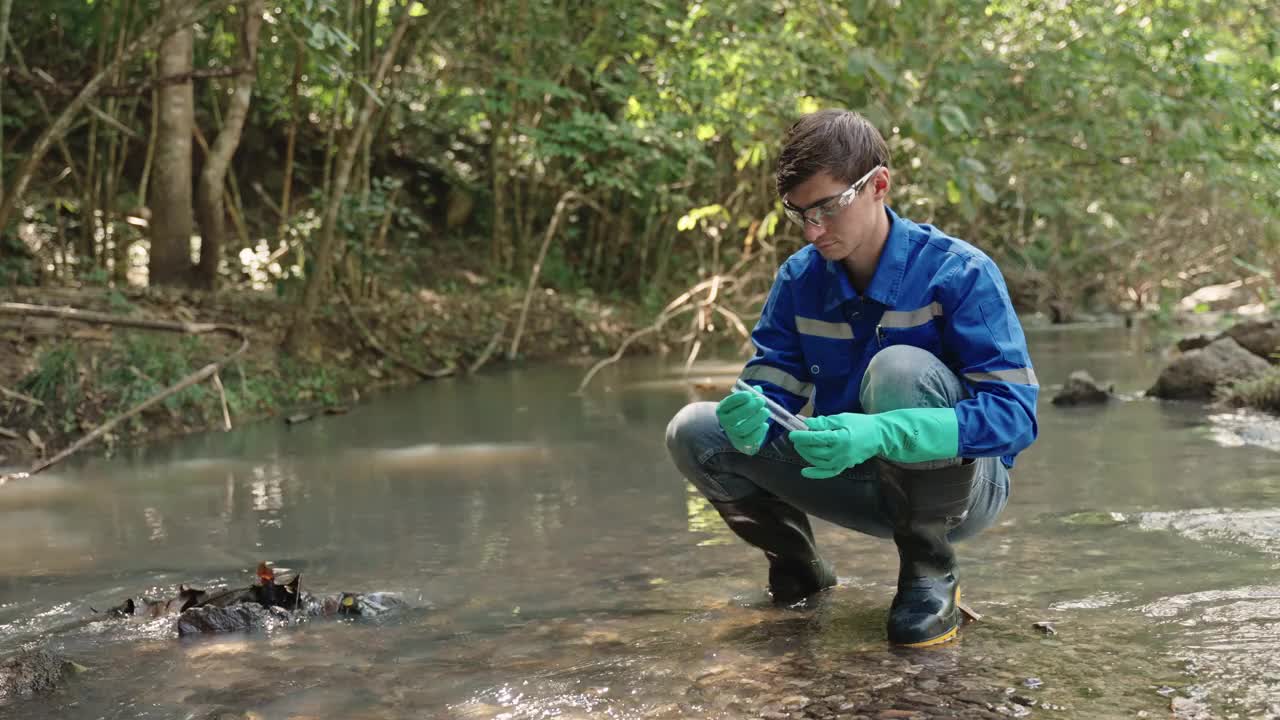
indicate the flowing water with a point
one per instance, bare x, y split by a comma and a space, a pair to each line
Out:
556, 566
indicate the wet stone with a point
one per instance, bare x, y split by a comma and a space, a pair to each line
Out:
1081, 389
917, 698
242, 617
1194, 375
974, 698
30, 672
793, 702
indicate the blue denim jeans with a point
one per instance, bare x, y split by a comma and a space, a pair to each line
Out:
898, 377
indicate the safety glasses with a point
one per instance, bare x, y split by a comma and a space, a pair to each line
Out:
817, 213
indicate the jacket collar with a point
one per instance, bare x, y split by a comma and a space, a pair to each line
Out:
886, 283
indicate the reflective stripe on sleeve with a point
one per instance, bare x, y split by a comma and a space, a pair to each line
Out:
1018, 376
781, 378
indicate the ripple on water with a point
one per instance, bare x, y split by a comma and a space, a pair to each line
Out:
1092, 602
1259, 529
1228, 640
1246, 427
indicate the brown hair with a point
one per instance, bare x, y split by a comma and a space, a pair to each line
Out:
840, 142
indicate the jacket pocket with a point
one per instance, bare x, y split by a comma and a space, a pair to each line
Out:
918, 328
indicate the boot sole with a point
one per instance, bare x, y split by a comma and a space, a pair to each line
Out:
948, 635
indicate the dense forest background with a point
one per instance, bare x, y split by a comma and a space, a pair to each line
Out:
1106, 153
362, 194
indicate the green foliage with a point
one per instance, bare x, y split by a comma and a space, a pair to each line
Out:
16, 265
1117, 152
1262, 392
145, 364
56, 378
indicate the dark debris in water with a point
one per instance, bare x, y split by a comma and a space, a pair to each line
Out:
265, 604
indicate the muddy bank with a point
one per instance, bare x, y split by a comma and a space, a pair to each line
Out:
65, 378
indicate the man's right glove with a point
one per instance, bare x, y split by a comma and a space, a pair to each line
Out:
745, 420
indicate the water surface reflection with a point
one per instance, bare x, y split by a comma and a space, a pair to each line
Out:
558, 567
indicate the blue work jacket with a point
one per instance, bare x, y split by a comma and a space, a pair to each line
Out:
817, 334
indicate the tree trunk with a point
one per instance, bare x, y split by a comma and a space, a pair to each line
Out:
171, 212
168, 20
298, 336
5, 6
210, 207
286, 187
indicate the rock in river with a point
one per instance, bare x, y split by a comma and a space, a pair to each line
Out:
1196, 374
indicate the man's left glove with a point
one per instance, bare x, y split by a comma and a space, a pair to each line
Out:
834, 443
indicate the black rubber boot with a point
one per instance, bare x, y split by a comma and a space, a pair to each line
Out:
796, 571
925, 505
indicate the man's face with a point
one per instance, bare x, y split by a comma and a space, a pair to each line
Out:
846, 231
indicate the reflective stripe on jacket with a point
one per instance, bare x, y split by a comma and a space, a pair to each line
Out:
817, 334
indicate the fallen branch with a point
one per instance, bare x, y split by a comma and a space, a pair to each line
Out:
85, 316
735, 321
372, 342
616, 356
488, 350
19, 396
222, 394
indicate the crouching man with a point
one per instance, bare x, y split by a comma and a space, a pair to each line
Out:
906, 343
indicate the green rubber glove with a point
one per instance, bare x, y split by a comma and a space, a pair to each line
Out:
745, 420
834, 443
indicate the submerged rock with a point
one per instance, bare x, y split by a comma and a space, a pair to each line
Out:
242, 617
1081, 389
30, 672
1196, 374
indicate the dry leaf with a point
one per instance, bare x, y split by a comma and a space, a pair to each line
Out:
35, 440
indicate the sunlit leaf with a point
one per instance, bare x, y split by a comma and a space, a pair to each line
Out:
954, 120
984, 191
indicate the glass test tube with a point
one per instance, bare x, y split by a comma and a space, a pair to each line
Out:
780, 415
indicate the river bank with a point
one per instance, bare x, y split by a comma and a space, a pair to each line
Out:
64, 378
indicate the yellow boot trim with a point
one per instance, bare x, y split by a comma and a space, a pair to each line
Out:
948, 635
